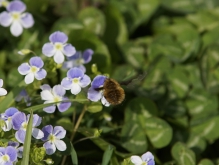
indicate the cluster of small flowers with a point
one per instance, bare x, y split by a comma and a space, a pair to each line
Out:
14, 119
15, 17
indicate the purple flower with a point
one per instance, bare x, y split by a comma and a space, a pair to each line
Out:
78, 59
75, 80
95, 93
53, 136
23, 95
4, 3
8, 155
20, 121
58, 46
56, 94
15, 17
146, 158
2, 90
7, 117
19, 149
32, 70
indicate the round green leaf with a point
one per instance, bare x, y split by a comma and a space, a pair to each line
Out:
205, 162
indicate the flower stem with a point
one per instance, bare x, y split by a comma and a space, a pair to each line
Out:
75, 129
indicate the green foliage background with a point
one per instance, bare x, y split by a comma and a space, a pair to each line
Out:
167, 50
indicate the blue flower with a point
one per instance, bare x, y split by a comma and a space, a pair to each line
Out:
23, 95
8, 155
56, 94
19, 149
7, 117
52, 138
20, 121
75, 80
95, 93
15, 17
78, 59
58, 46
33, 70
2, 90
147, 159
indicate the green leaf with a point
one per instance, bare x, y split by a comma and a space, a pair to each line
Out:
74, 156
27, 142
182, 154
205, 162
94, 107
158, 131
13, 78
107, 156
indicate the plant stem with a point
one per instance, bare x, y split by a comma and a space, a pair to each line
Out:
75, 129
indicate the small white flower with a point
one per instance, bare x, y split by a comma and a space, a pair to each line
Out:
2, 90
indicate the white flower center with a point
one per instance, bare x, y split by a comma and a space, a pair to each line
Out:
79, 61
34, 69
5, 3
16, 16
5, 158
24, 125
52, 138
144, 163
57, 99
58, 46
75, 80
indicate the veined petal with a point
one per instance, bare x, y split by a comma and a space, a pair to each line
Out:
36, 120
29, 78
105, 102
69, 50
87, 55
66, 83
93, 94
3, 92
17, 6
11, 152
59, 132
41, 74
5, 19
37, 133
50, 148
45, 87
75, 89
136, 160
24, 69
60, 145
98, 81
11, 111
75, 73
147, 156
16, 29
59, 90
17, 120
85, 81
37, 62
47, 130
48, 49
59, 57
13, 144
20, 152
1, 83
58, 37
63, 106
20, 135
50, 109
47, 95
27, 20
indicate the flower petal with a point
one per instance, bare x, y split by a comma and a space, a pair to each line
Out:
17, 120
58, 37
17, 6
29, 78
3, 92
75, 73
36, 120
59, 90
87, 55
13, 144
105, 102
66, 83
98, 81
60, 145
50, 109
85, 81
148, 157
69, 50
5, 19
59, 132
45, 87
63, 106
7, 126
24, 69
75, 56
27, 20
37, 62
47, 95
50, 148
20, 135
59, 57
41, 74
94, 95
75, 89
1, 83
16, 29
47, 130
20, 152
37, 133
11, 111
136, 160
48, 49
11, 152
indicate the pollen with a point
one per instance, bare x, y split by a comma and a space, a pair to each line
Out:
75, 80
34, 69
52, 138
16, 16
58, 46
5, 158
57, 99
24, 125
